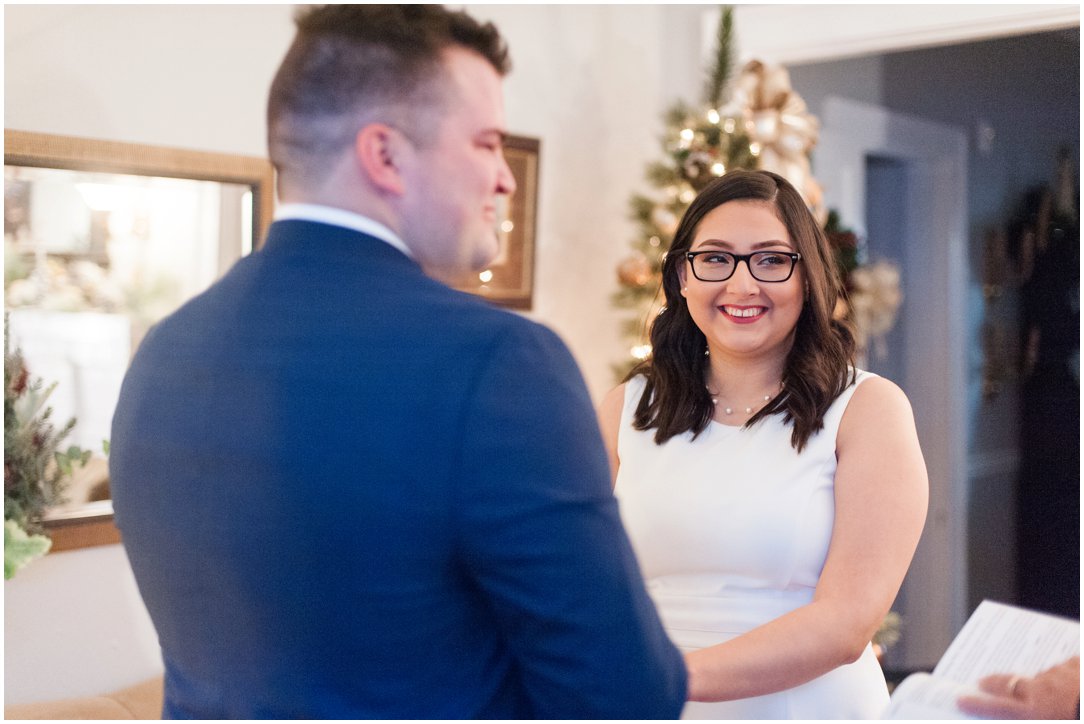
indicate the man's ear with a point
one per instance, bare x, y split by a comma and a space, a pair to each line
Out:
381, 151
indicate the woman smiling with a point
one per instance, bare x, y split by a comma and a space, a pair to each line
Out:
774, 493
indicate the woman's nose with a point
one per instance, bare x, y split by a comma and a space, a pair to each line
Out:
742, 280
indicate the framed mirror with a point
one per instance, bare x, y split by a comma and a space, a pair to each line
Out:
101, 240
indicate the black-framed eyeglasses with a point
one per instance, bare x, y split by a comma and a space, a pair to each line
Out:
712, 265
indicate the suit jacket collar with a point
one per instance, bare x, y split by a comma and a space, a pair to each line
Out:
298, 237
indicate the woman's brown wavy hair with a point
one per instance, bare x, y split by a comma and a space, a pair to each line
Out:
820, 364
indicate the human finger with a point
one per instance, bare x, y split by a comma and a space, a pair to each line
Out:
1006, 685
993, 707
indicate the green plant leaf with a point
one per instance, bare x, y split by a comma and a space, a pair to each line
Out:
72, 457
20, 548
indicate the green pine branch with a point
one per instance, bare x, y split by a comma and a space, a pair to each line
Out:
719, 73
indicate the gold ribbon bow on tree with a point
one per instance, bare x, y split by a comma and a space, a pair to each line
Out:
780, 127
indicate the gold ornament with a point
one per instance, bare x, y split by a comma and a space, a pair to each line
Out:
665, 219
634, 271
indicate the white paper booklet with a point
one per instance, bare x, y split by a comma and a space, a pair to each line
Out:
997, 639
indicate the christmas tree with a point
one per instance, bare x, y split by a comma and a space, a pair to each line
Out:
754, 121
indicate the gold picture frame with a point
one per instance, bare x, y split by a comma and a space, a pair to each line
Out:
509, 280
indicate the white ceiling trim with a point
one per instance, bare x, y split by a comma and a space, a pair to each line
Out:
791, 34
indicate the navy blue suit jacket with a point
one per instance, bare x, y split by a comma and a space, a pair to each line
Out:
347, 490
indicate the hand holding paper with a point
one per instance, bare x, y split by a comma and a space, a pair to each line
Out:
1051, 694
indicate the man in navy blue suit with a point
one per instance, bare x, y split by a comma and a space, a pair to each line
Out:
349, 491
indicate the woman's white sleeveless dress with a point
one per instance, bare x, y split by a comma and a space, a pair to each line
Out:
731, 531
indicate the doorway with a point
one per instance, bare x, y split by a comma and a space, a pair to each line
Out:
885, 215
904, 180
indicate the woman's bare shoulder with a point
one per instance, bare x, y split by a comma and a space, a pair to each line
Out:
613, 402
878, 406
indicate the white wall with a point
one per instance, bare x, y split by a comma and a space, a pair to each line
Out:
74, 625
590, 81
172, 75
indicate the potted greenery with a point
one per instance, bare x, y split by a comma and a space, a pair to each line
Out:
36, 471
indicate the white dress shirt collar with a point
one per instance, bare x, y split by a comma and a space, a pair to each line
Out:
341, 217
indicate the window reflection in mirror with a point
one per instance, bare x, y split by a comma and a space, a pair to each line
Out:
91, 261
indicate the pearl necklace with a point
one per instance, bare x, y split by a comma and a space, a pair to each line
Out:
748, 410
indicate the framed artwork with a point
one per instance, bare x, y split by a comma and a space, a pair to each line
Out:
509, 279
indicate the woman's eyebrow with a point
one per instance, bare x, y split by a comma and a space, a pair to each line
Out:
726, 245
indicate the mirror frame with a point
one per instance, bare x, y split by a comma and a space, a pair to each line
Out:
92, 525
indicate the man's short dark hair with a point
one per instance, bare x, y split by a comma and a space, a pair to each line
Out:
352, 61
